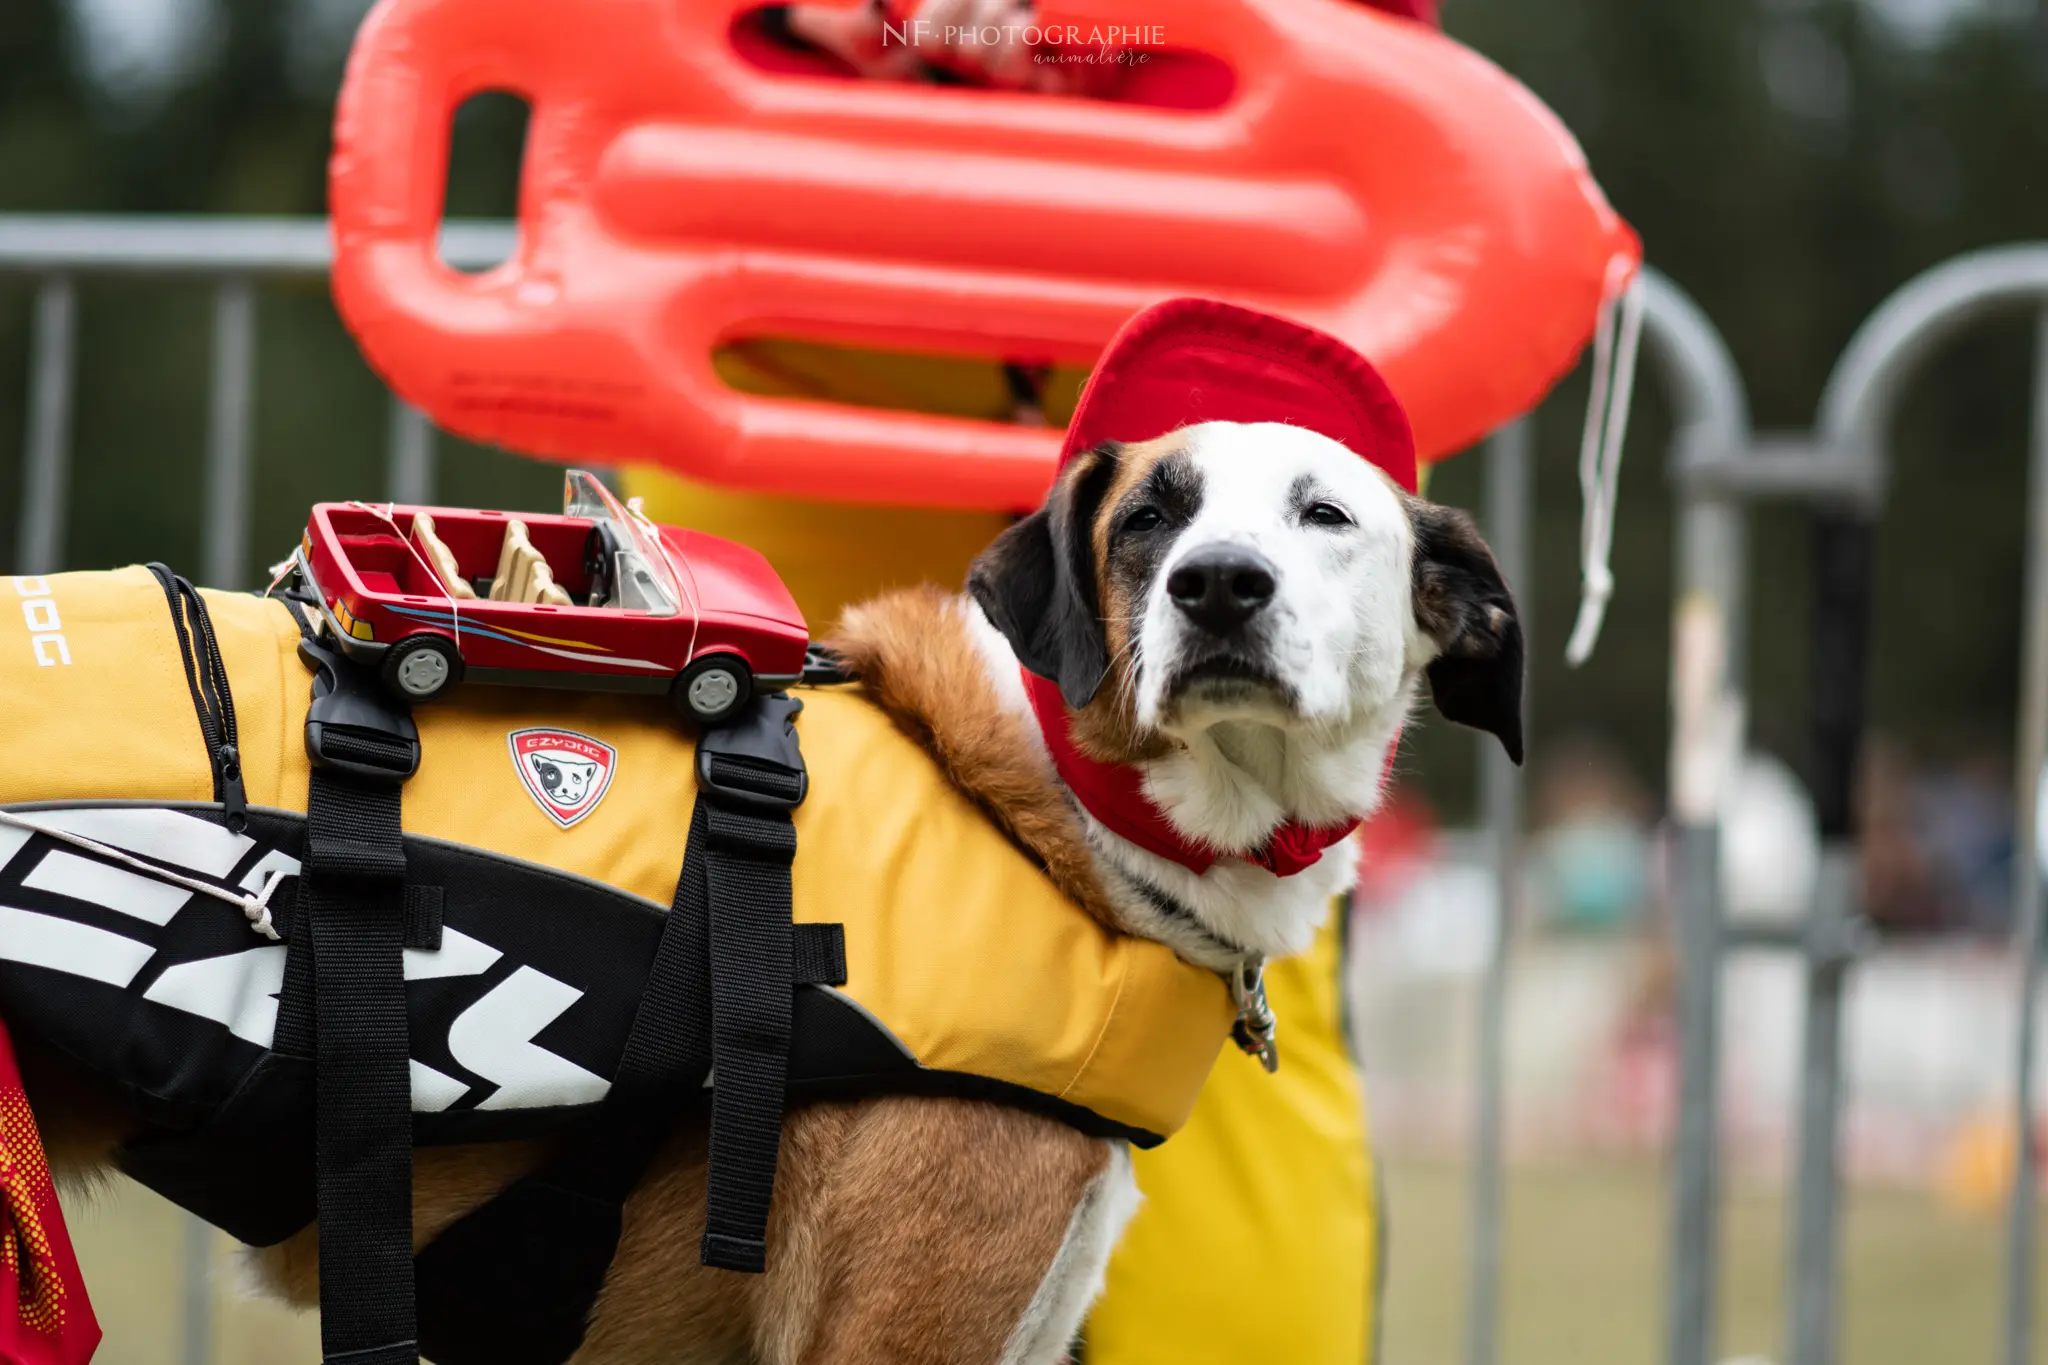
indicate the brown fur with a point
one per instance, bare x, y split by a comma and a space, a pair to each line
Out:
912, 650
1107, 728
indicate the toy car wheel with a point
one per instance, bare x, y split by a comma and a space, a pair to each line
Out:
713, 688
421, 667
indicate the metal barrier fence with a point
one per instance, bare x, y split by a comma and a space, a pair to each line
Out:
1840, 471
233, 255
1717, 466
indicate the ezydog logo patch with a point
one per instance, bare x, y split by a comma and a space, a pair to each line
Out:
565, 773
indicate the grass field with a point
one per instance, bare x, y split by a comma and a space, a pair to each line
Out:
1583, 1282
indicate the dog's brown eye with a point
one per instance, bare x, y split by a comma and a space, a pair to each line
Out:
1144, 519
1326, 514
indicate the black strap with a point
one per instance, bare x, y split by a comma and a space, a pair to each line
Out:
423, 913
353, 911
748, 857
354, 872
818, 955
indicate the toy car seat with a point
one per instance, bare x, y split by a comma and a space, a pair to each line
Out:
439, 557
523, 572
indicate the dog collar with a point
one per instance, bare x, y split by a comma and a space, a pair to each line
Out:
1115, 795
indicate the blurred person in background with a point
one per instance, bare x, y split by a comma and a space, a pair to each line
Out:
1938, 846
1963, 818
1591, 854
1591, 865
1898, 882
1259, 1238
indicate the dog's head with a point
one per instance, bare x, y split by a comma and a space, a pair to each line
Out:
565, 780
1262, 573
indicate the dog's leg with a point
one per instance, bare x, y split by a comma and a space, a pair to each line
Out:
943, 1239
1051, 1323
1076, 1278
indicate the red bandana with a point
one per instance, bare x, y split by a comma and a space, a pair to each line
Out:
45, 1318
1114, 795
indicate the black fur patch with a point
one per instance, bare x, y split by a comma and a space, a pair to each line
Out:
1462, 601
1143, 527
1037, 581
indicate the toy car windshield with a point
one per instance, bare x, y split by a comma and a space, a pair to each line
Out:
629, 569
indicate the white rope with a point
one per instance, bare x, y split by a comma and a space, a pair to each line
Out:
388, 514
1607, 408
256, 909
281, 571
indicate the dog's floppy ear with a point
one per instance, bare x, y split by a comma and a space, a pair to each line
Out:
1037, 581
1462, 602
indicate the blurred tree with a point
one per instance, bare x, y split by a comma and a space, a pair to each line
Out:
1789, 163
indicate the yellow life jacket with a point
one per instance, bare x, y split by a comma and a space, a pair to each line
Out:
957, 949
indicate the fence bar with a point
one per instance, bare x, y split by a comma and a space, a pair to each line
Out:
1710, 423
1844, 545
46, 473
412, 454
1694, 1265
228, 432
1509, 458
198, 1292
1815, 1288
2027, 909
211, 246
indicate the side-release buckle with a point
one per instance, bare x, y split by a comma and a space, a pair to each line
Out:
353, 726
754, 759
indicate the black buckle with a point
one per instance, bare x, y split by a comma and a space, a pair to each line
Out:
763, 766
823, 668
353, 726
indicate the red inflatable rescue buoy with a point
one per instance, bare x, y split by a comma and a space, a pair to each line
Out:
1366, 176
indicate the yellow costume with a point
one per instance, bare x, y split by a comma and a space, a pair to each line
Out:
1259, 1236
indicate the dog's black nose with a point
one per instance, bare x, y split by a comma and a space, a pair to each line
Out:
1222, 587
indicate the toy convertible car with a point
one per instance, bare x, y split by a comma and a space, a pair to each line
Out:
599, 599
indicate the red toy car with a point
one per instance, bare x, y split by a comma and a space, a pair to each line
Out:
599, 598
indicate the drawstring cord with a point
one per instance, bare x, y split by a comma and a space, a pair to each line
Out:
1607, 408
256, 908
207, 678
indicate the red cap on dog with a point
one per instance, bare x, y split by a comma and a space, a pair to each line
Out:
1199, 360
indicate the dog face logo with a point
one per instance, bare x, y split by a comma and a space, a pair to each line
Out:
565, 782
565, 773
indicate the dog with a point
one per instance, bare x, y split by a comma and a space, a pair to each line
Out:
1244, 615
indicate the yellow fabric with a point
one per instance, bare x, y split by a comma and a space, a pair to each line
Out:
954, 939
1256, 1241
1258, 1237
